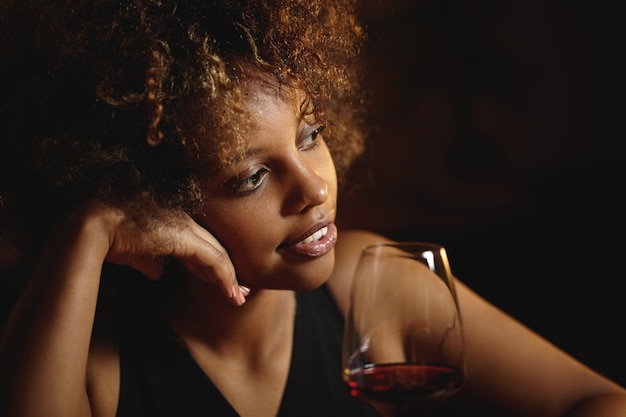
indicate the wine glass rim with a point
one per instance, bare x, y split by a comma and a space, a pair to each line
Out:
408, 243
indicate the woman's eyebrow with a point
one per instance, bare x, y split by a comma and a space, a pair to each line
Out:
242, 156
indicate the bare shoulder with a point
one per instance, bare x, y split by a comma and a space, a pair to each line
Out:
347, 252
103, 367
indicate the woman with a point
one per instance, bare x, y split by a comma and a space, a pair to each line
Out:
198, 144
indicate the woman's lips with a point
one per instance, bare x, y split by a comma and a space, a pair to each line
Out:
316, 244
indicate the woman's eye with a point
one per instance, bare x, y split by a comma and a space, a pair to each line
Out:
309, 141
250, 184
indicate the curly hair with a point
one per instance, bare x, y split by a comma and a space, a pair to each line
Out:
112, 100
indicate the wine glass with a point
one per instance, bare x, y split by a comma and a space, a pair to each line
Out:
403, 340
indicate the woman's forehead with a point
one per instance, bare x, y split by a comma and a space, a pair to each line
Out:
263, 90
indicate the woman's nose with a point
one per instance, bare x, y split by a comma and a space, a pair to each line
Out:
308, 188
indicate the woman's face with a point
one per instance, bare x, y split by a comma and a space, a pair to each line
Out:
273, 209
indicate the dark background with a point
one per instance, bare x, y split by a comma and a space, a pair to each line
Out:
498, 132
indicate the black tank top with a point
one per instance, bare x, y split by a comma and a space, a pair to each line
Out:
159, 378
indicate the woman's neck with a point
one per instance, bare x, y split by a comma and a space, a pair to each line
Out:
201, 316
245, 351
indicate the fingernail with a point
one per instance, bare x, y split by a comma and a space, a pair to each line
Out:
245, 290
242, 298
233, 292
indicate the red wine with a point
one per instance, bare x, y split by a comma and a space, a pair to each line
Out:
400, 383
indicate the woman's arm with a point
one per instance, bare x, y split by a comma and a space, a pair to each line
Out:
511, 371
45, 344
43, 354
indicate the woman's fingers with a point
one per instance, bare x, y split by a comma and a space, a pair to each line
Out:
144, 245
212, 264
203, 255
150, 266
231, 290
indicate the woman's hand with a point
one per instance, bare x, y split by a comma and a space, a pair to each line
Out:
144, 239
